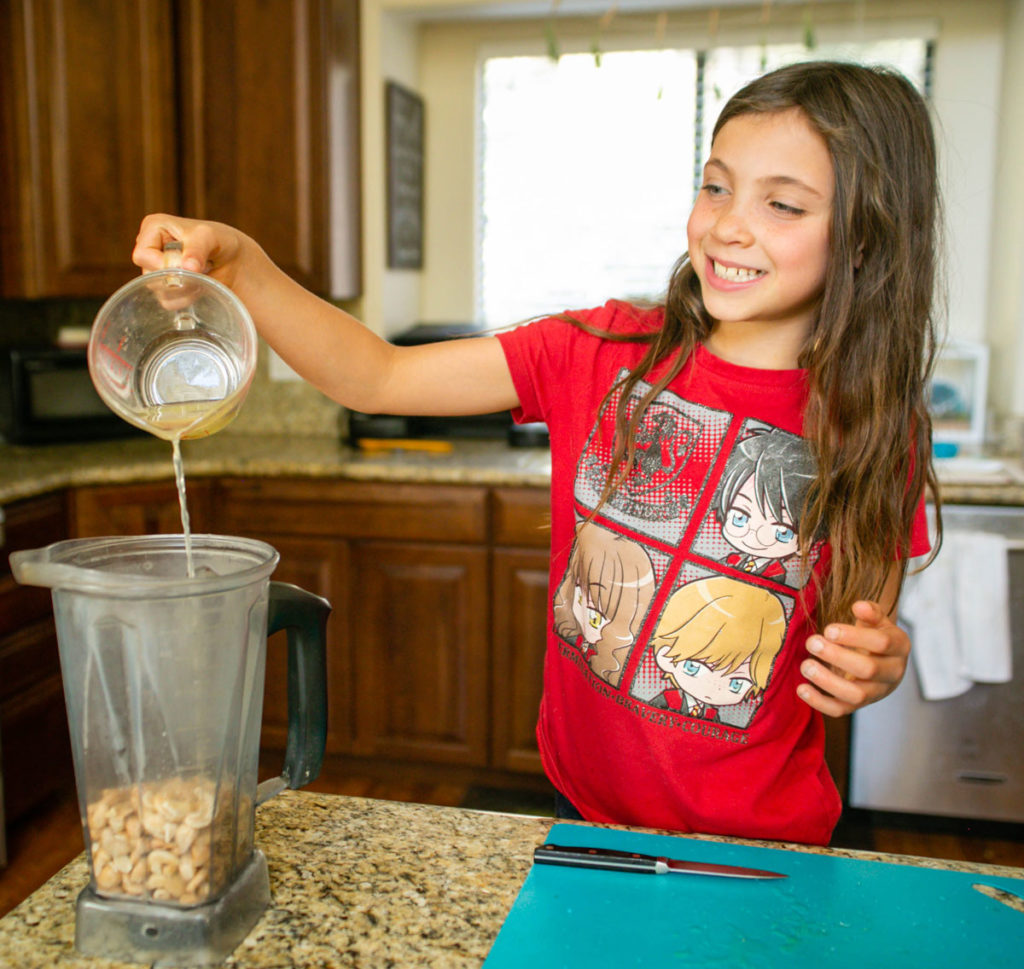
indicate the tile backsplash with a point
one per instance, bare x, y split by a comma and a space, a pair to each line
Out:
286, 407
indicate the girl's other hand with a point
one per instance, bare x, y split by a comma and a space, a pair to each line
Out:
852, 666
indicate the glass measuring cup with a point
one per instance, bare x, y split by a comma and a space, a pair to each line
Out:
173, 352
163, 681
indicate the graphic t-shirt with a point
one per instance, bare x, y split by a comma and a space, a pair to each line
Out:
680, 612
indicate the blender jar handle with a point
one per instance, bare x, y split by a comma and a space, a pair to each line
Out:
304, 616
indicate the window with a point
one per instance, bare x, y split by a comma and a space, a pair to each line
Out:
585, 178
589, 164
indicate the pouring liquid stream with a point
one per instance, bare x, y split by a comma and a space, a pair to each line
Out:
186, 526
175, 423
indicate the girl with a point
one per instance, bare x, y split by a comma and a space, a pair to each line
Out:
803, 306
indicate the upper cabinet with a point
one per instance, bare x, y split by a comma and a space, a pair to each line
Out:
271, 129
240, 111
89, 140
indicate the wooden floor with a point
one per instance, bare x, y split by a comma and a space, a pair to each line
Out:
41, 845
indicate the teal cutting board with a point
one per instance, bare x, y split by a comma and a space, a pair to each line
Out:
829, 913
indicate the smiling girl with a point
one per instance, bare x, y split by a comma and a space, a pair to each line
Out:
804, 306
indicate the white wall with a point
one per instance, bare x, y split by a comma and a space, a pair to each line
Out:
980, 120
1006, 272
389, 52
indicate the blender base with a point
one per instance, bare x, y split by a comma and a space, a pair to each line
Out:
161, 935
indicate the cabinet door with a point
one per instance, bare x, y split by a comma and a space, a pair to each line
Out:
145, 509
36, 750
33, 725
320, 567
520, 609
270, 132
419, 632
87, 144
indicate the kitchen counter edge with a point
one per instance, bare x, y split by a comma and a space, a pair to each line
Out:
27, 472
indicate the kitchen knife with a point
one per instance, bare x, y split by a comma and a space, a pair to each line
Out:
611, 860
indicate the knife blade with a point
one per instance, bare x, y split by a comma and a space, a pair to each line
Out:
609, 859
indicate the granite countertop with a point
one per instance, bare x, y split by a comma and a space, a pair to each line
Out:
26, 472
29, 471
358, 882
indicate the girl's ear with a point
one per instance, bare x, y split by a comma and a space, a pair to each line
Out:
858, 256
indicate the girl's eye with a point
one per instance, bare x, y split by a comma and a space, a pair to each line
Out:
784, 209
691, 667
738, 684
595, 619
784, 535
712, 189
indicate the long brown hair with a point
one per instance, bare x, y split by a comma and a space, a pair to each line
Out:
870, 352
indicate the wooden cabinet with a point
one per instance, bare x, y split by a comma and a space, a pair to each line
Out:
270, 130
138, 509
405, 568
88, 140
243, 112
35, 750
420, 652
519, 604
322, 567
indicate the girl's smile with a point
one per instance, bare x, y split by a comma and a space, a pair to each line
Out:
759, 235
726, 277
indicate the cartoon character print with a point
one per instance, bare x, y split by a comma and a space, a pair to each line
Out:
759, 500
603, 598
715, 643
705, 645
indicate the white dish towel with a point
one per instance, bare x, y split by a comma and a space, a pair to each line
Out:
957, 615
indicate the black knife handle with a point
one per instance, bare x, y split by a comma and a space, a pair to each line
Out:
606, 858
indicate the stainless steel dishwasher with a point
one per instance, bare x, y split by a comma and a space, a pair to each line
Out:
959, 757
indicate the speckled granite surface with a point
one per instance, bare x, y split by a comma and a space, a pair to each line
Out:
354, 883
29, 471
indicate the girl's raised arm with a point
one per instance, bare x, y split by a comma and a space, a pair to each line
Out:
328, 347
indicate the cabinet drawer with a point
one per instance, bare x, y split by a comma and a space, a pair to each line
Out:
522, 516
416, 512
138, 509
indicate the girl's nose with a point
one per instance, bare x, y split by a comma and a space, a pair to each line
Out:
733, 226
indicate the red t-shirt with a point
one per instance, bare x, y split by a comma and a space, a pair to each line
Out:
680, 612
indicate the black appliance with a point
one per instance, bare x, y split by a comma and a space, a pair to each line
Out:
472, 426
47, 397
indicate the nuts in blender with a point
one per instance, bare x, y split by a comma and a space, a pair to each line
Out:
154, 844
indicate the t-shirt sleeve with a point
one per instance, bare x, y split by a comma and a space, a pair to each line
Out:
524, 347
546, 356
540, 356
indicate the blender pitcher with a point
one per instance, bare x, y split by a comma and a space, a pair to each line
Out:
163, 680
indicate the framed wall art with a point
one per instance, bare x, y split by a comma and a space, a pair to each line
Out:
958, 393
404, 121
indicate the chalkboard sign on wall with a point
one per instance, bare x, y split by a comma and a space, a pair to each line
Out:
405, 177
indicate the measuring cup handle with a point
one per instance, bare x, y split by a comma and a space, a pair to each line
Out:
304, 616
173, 252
